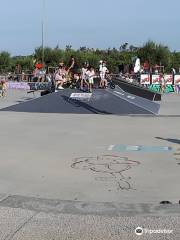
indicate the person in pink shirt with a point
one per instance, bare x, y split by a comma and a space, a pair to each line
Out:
60, 76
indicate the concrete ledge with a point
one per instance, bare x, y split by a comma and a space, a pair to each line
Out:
90, 208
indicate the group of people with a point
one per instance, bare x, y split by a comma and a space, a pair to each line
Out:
85, 76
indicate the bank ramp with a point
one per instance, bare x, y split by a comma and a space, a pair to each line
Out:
106, 101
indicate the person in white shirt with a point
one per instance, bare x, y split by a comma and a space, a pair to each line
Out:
100, 72
90, 78
84, 69
103, 71
137, 66
137, 69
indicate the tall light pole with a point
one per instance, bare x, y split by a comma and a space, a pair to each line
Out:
43, 23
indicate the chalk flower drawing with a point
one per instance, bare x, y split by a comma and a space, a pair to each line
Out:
111, 165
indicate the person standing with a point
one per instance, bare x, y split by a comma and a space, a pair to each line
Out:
163, 83
84, 69
3, 88
100, 72
146, 67
18, 72
137, 69
103, 71
137, 66
90, 78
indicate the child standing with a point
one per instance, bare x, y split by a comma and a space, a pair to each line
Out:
103, 71
90, 77
3, 88
84, 69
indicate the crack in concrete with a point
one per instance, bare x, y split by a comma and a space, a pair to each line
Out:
5, 198
12, 235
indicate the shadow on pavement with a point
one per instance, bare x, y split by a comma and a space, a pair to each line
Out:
172, 140
78, 103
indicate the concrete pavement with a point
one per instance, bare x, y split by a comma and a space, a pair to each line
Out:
23, 224
55, 184
38, 150
170, 104
17, 96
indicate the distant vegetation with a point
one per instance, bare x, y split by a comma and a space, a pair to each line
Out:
152, 52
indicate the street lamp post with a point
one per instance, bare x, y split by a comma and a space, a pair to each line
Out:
43, 22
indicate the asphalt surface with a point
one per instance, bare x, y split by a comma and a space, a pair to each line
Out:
59, 178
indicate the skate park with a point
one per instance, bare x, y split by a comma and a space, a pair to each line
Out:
108, 155
89, 116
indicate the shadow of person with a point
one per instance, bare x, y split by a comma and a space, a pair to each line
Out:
172, 140
78, 103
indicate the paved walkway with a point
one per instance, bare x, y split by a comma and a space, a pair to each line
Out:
31, 218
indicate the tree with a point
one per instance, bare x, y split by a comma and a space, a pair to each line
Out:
152, 52
123, 47
5, 58
5, 62
155, 54
68, 48
26, 62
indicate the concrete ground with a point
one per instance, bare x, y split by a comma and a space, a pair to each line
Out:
61, 179
16, 97
170, 104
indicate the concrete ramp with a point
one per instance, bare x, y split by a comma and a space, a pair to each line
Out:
144, 103
137, 89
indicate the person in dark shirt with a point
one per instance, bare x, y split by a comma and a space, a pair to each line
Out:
73, 67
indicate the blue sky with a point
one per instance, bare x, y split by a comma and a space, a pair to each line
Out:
91, 23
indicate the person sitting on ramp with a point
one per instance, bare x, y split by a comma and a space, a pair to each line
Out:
60, 76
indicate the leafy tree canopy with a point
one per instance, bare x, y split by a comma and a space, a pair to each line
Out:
152, 52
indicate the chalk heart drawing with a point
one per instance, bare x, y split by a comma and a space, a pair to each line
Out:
114, 167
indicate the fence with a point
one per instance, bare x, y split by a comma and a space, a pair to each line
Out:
151, 81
